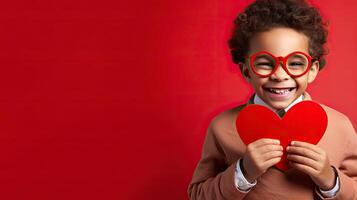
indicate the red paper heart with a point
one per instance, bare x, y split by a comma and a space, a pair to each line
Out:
305, 121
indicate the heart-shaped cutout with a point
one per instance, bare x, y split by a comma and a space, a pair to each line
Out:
305, 121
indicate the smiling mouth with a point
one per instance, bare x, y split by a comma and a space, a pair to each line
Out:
280, 91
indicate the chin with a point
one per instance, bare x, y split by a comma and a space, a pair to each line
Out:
279, 105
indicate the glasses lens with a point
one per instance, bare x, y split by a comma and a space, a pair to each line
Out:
263, 64
297, 64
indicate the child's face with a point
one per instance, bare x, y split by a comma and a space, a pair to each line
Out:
279, 89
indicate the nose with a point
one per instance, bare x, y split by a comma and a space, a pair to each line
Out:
280, 74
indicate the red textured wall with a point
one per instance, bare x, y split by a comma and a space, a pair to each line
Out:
110, 99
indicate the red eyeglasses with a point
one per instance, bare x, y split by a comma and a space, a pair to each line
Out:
265, 64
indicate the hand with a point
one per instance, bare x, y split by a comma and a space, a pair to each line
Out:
260, 156
313, 161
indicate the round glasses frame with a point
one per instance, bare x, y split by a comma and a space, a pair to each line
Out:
277, 61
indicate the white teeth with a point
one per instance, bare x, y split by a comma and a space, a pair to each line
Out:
279, 91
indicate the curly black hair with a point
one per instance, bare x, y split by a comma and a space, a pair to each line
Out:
263, 15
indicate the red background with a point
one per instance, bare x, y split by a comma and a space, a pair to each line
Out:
110, 99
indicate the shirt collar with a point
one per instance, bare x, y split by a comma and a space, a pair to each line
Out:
259, 101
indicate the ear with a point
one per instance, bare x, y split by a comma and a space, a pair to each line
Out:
314, 70
245, 71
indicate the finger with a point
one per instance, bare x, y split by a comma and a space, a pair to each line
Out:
271, 162
303, 168
302, 151
268, 148
306, 145
304, 161
265, 141
271, 155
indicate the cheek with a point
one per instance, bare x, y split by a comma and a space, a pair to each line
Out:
302, 82
258, 82
310, 80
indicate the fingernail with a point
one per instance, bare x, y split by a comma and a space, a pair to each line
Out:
292, 142
278, 141
287, 148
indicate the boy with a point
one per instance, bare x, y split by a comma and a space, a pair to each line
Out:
278, 45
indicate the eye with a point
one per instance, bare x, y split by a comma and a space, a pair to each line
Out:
297, 61
296, 64
264, 65
264, 62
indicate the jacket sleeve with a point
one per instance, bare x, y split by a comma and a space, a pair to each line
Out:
213, 178
348, 169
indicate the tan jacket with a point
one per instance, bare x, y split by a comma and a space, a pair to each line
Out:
214, 174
